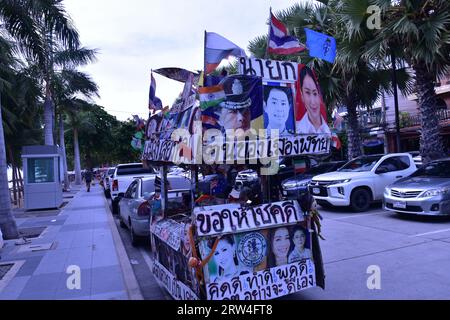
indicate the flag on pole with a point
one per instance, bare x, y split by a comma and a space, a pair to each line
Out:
211, 96
320, 45
335, 141
218, 48
279, 40
154, 103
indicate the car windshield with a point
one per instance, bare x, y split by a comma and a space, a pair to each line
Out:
321, 168
133, 169
360, 164
111, 171
439, 169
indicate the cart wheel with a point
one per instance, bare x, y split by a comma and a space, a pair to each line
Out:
134, 237
122, 224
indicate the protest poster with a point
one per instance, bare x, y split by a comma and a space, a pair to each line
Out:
310, 113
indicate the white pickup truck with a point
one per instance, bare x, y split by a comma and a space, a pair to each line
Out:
361, 181
123, 176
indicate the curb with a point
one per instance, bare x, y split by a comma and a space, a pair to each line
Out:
131, 284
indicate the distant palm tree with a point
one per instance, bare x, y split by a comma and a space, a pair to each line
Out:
69, 84
418, 32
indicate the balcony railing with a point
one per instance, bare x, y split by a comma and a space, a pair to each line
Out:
407, 120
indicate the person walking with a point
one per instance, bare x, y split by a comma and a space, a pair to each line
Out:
88, 178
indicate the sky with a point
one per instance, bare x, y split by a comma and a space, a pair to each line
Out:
134, 37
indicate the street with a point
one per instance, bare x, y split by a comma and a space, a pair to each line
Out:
411, 252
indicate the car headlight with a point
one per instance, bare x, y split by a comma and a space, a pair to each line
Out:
433, 192
295, 184
387, 191
341, 181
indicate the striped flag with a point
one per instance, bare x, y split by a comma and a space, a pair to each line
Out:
154, 103
218, 48
279, 40
211, 96
299, 165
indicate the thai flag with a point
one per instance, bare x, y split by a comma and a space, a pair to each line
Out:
279, 40
154, 103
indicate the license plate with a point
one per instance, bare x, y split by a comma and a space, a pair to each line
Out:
401, 205
316, 190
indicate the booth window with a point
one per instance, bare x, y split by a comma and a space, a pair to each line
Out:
40, 170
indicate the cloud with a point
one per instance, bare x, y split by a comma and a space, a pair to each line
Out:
140, 35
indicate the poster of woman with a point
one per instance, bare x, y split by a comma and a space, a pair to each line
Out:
278, 109
300, 249
310, 113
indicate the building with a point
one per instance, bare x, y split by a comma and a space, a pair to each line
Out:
410, 118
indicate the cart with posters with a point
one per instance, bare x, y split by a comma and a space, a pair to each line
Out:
232, 235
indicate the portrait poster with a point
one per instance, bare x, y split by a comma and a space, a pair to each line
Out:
278, 104
249, 252
240, 106
154, 124
310, 112
174, 263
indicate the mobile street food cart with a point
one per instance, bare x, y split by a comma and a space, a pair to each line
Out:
229, 240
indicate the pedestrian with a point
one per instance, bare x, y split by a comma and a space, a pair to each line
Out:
88, 179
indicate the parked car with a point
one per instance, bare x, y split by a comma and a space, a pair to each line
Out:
361, 181
1, 240
135, 207
294, 187
425, 192
416, 157
107, 177
123, 176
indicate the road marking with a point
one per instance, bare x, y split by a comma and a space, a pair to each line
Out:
432, 232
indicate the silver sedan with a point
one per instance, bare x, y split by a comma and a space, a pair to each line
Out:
134, 206
425, 192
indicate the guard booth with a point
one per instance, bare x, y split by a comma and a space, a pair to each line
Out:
42, 177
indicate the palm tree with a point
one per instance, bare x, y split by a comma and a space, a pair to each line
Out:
24, 21
421, 30
69, 84
41, 27
7, 222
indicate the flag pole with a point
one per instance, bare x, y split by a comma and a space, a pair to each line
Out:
204, 60
266, 55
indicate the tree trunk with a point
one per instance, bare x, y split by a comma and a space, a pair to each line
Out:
353, 133
76, 154
7, 222
63, 148
48, 120
431, 145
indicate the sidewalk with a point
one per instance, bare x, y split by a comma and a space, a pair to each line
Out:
80, 235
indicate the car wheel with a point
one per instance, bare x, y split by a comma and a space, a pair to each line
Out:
360, 200
108, 194
122, 224
134, 237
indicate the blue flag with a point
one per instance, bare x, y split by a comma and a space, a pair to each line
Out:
320, 45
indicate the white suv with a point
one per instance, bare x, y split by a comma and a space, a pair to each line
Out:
361, 181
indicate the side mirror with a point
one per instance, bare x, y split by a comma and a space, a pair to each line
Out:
381, 170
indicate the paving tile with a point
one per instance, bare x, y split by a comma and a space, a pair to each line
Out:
118, 295
30, 266
14, 288
81, 257
52, 262
107, 279
104, 256
64, 292
41, 287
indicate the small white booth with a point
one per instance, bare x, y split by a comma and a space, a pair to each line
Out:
42, 177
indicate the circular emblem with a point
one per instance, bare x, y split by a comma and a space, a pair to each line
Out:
252, 249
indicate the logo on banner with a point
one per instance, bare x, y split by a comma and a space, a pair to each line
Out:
252, 249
